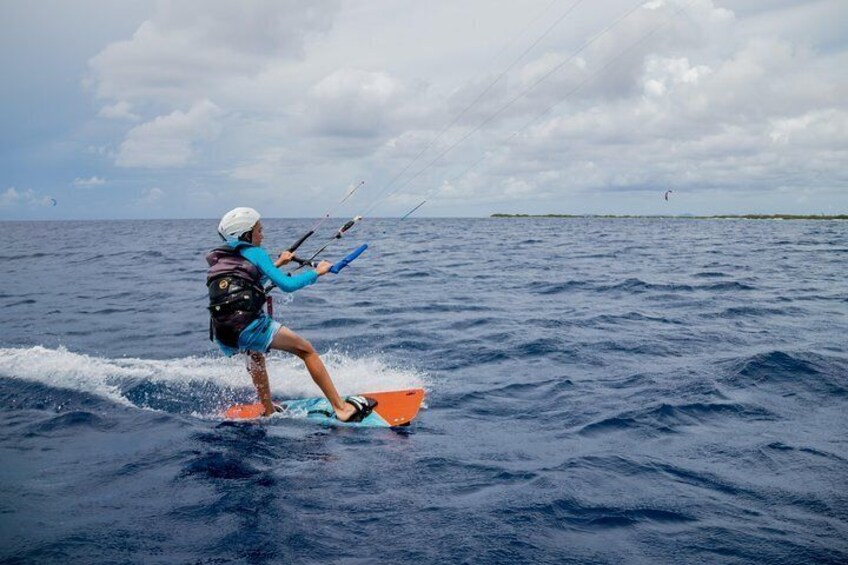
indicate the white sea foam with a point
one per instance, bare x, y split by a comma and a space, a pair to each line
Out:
107, 377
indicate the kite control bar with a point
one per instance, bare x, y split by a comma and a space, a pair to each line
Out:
304, 262
338, 266
338, 235
311, 262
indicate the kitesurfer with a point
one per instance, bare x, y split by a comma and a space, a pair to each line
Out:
237, 274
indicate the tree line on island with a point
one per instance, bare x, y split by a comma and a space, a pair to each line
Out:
688, 216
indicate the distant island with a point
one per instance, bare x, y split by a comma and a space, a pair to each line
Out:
688, 216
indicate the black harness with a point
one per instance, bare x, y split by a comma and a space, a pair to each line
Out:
236, 295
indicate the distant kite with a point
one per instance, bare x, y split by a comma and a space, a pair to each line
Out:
53, 201
667, 192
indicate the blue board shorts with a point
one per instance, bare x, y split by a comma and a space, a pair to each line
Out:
255, 337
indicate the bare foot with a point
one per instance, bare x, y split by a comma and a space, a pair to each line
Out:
345, 413
274, 410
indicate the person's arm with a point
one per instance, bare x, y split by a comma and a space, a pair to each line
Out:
264, 263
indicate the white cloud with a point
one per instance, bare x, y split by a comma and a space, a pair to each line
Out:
188, 50
10, 196
818, 128
151, 196
670, 71
265, 168
191, 46
164, 67
353, 102
169, 141
13, 197
119, 111
314, 94
746, 114
89, 182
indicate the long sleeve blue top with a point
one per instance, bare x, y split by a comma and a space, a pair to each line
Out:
270, 272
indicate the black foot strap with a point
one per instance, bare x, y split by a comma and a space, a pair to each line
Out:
363, 406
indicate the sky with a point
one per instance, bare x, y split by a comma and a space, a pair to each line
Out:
185, 109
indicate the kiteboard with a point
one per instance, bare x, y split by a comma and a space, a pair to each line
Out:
394, 408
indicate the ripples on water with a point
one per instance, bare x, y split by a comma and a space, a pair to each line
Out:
599, 391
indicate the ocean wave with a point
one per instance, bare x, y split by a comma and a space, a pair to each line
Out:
200, 386
821, 376
548, 288
638, 285
505, 398
734, 312
220, 466
614, 319
70, 421
667, 417
571, 513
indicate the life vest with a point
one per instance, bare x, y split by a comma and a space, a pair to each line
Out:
236, 294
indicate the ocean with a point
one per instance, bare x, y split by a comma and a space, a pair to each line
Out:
598, 391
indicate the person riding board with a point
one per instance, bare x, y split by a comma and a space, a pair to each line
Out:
236, 280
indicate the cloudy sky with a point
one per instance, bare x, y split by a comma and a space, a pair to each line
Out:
184, 109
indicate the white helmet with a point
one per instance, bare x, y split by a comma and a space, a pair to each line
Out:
237, 222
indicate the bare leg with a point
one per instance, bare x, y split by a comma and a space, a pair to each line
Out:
287, 340
256, 368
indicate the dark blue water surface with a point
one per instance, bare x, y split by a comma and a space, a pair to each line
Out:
599, 391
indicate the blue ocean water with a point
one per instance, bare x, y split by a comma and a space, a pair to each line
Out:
599, 391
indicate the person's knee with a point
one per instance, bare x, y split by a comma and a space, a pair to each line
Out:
304, 349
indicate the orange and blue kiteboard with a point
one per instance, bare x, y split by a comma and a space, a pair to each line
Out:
394, 408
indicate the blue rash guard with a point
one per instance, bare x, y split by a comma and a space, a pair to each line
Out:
257, 336
263, 262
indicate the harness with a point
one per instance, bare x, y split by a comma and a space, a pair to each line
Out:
236, 294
